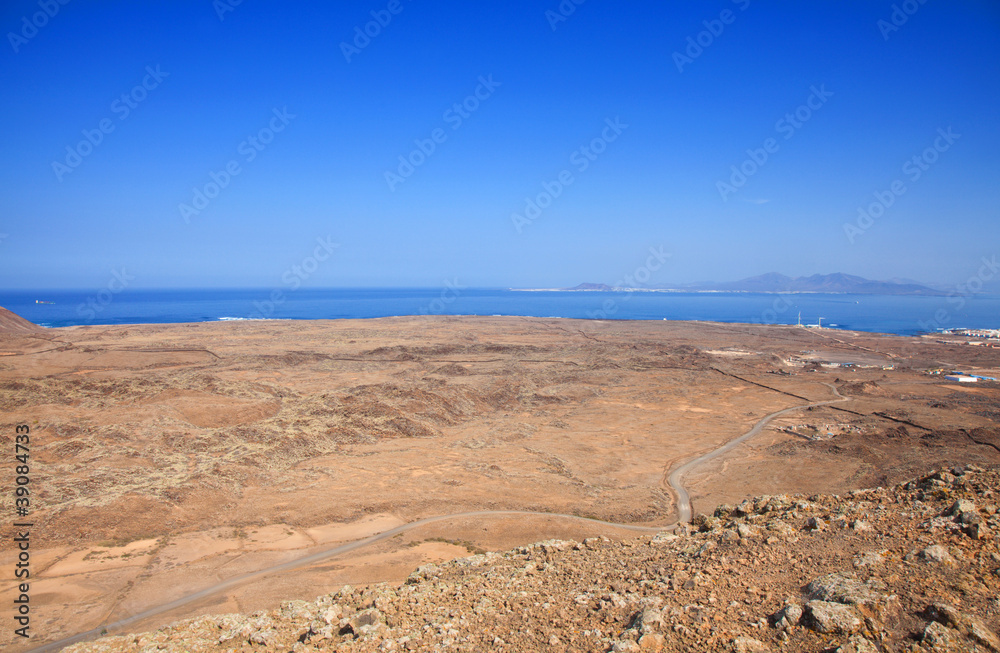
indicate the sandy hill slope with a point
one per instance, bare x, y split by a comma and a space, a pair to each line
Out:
915, 567
14, 323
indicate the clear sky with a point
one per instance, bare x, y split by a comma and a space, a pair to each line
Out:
122, 118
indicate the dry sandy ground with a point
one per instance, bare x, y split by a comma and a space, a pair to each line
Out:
168, 458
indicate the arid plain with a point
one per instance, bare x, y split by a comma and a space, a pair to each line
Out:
167, 459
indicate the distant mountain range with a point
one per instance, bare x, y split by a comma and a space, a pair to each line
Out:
590, 286
775, 282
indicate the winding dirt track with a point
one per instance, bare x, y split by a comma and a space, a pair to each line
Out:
674, 481
316, 557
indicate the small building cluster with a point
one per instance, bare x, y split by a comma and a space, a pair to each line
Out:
961, 377
978, 333
984, 337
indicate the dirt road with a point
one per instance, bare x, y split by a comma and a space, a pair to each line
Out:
674, 481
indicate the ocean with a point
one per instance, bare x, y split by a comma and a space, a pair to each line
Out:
904, 315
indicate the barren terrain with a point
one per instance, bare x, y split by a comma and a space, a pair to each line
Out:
167, 459
912, 568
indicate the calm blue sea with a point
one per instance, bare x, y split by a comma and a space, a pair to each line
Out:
887, 314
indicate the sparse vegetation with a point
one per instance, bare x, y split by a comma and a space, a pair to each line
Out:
468, 546
290, 424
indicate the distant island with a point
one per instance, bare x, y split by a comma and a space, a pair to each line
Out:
774, 282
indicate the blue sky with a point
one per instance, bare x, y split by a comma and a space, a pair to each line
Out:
315, 131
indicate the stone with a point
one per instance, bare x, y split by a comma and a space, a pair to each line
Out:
842, 588
787, 617
333, 614
966, 624
724, 510
970, 518
831, 618
422, 573
369, 617
941, 638
960, 507
937, 554
858, 644
749, 645
977, 530
624, 645
678, 579
264, 637
868, 559
552, 546
945, 477
647, 620
652, 642
981, 634
663, 537
781, 528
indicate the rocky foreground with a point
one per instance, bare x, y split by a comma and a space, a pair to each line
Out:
915, 567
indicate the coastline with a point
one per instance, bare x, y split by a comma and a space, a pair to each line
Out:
897, 314
736, 292
185, 456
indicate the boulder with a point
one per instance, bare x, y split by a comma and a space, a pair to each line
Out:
787, 617
424, 572
868, 559
831, 618
977, 531
663, 537
264, 637
780, 527
842, 588
749, 645
652, 642
724, 510
648, 620
959, 508
858, 644
937, 554
966, 624
369, 617
937, 637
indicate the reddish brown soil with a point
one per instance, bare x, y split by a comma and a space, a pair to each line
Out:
220, 448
